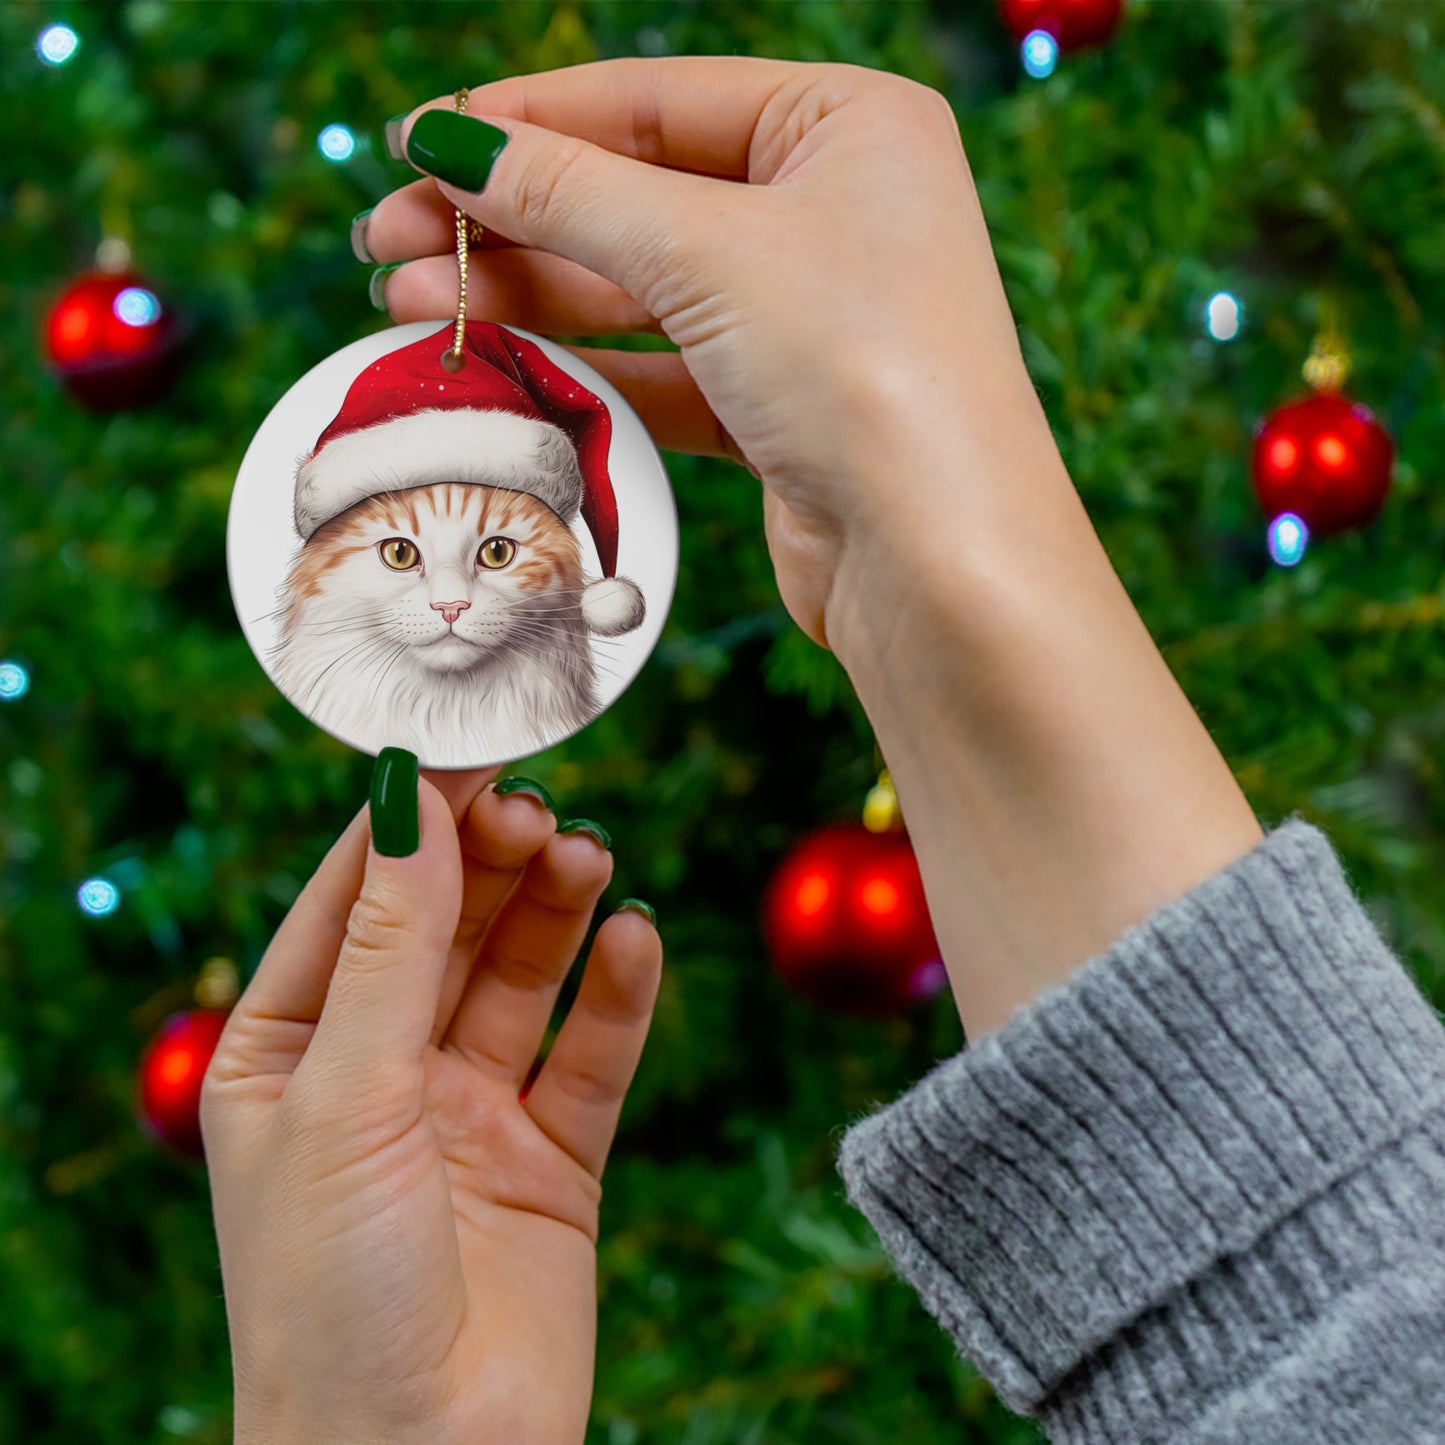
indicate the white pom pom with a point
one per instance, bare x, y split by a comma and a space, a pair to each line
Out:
612, 606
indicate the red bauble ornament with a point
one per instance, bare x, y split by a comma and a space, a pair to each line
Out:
171, 1071
1073, 23
847, 923
112, 341
1324, 458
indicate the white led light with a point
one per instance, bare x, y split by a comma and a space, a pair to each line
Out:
1040, 52
14, 681
98, 897
137, 307
1223, 316
1288, 537
336, 143
57, 44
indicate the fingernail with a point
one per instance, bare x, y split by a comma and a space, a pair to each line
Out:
455, 148
395, 820
509, 786
359, 248
376, 287
636, 905
393, 136
586, 825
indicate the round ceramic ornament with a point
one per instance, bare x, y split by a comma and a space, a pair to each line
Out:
458, 540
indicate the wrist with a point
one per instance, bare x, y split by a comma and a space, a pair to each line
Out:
948, 521
1057, 784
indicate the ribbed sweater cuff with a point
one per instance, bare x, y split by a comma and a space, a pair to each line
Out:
1141, 1166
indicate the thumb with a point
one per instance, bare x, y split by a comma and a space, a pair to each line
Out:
382, 999
633, 223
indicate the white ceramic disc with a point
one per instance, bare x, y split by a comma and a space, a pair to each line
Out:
417, 556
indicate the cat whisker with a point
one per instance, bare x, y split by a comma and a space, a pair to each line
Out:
371, 614
342, 657
541, 627
391, 662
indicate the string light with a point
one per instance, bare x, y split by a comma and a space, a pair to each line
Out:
98, 897
57, 44
137, 307
336, 143
1223, 316
1040, 52
14, 681
1288, 537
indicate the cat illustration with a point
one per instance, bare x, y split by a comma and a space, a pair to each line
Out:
445, 618
438, 601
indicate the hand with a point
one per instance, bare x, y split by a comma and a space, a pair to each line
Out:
408, 1247
838, 307
810, 237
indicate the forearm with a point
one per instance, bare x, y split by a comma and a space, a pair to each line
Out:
1057, 784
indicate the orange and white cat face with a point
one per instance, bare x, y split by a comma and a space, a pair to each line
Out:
444, 574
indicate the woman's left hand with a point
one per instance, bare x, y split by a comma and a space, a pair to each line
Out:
407, 1235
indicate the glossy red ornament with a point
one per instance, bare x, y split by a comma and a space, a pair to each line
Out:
171, 1071
847, 924
112, 341
1073, 23
1324, 458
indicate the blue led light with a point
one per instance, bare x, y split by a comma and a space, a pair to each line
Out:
336, 143
1040, 52
14, 681
98, 897
1223, 316
57, 44
1288, 538
137, 307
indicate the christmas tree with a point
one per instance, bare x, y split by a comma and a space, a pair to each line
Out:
1212, 162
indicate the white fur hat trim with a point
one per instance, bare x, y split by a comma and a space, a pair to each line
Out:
493, 448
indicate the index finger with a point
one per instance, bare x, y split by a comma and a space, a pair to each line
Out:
695, 113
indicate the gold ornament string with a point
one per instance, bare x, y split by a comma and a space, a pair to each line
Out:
1328, 366
467, 231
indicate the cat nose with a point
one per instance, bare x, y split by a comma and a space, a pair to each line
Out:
450, 610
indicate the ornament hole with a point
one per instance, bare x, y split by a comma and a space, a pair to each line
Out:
453, 360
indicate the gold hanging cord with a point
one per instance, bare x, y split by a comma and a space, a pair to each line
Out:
467, 231
1328, 366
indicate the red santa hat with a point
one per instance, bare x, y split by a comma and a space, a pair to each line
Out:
509, 417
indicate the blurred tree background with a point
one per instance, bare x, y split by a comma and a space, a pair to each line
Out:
1286, 153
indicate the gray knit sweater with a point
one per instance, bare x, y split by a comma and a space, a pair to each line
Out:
1196, 1192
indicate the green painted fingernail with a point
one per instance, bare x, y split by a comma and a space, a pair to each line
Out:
636, 905
392, 133
455, 148
359, 248
376, 287
395, 813
586, 825
525, 785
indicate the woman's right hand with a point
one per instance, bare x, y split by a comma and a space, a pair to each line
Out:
842, 326
810, 237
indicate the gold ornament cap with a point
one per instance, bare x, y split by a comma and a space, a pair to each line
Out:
219, 985
1328, 365
881, 813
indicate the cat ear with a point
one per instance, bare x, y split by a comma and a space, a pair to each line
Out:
613, 606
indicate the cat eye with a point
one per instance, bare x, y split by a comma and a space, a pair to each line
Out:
399, 554
496, 552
